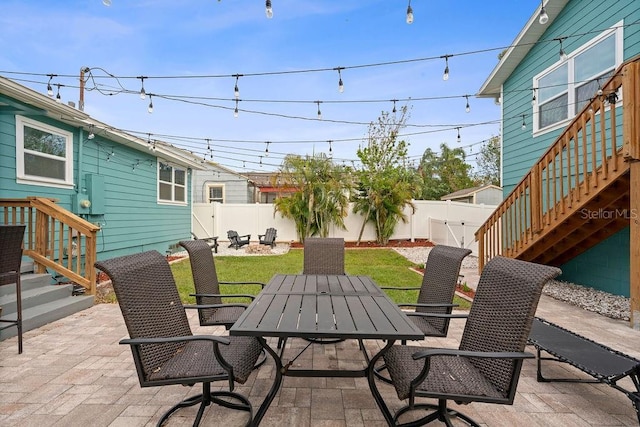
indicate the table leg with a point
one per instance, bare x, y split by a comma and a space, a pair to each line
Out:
277, 382
388, 416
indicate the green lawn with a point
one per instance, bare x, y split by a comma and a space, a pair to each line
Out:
385, 266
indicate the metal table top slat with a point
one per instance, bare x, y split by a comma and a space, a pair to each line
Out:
307, 314
344, 321
326, 319
289, 319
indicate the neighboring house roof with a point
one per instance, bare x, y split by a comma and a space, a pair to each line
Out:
522, 44
269, 182
466, 192
40, 104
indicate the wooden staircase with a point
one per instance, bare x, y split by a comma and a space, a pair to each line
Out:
582, 190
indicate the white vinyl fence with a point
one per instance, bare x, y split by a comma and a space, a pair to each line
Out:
442, 222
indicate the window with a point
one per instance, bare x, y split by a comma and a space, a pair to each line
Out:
215, 193
566, 87
44, 154
171, 184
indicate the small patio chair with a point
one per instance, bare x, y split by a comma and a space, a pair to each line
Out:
237, 241
268, 238
435, 298
11, 238
323, 255
164, 349
486, 366
212, 241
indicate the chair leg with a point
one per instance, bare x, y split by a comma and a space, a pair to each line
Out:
19, 312
440, 413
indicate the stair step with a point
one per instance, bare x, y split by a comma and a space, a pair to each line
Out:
43, 314
27, 281
33, 297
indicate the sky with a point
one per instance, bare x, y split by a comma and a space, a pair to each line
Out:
189, 50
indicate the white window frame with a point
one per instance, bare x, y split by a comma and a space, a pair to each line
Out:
617, 31
21, 176
173, 185
222, 186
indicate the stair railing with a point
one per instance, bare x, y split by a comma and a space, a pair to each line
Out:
55, 238
582, 160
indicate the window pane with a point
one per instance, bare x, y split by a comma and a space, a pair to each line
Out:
166, 172
180, 177
553, 83
165, 192
553, 111
44, 167
588, 90
595, 60
215, 192
180, 194
44, 142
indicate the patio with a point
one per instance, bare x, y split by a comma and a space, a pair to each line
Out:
74, 373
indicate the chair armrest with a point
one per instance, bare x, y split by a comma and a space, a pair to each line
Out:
393, 288
262, 285
204, 306
427, 305
224, 295
439, 315
161, 340
465, 353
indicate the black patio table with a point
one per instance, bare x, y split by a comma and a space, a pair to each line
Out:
323, 306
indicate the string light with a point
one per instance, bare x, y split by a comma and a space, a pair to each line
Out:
340, 84
533, 96
409, 14
235, 112
459, 139
236, 91
543, 17
394, 105
58, 97
266, 150
524, 124
599, 92
49, 88
150, 108
260, 161
330, 149
445, 76
91, 134
562, 53
143, 94
467, 107
319, 112
136, 164
269, 9
106, 2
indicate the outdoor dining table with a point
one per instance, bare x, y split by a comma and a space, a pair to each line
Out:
323, 306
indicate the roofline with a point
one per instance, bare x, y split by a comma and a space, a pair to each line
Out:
74, 117
519, 48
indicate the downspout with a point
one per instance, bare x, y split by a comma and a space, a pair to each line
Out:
80, 160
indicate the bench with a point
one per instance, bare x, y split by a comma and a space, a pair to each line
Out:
603, 363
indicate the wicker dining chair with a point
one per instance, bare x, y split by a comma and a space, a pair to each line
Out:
164, 349
435, 297
323, 255
207, 286
486, 366
11, 238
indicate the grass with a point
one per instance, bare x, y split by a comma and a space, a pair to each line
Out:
385, 266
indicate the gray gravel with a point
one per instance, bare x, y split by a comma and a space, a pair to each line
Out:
606, 304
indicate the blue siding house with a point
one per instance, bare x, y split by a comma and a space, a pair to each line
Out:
138, 192
548, 84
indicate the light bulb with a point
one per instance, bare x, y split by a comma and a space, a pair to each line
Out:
409, 15
150, 109
445, 76
467, 108
106, 2
340, 86
269, 10
143, 94
235, 112
236, 92
49, 90
544, 18
563, 55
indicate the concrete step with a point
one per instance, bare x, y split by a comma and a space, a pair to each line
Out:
43, 314
28, 281
35, 296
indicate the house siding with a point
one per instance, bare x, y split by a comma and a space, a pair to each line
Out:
236, 187
521, 150
133, 220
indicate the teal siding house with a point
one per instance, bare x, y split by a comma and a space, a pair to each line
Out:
546, 84
138, 192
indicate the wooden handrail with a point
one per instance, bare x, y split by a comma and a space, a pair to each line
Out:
584, 158
55, 238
